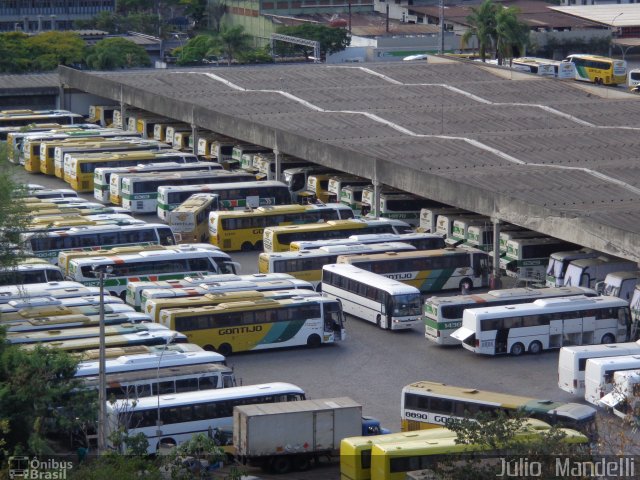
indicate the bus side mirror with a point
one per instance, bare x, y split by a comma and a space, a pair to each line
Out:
599, 288
178, 237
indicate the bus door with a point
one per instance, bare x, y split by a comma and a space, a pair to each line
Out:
481, 268
555, 331
502, 337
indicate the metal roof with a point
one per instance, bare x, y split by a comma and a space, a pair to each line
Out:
614, 15
555, 156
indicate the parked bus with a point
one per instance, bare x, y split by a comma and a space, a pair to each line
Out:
538, 66
307, 264
445, 223
598, 375
516, 234
182, 141
243, 230
481, 236
559, 262
392, 461
266, 165
351, 196
63, 323
573, 360
183, 415
296, 178
154, 306
50, 307
46, 195
598, 70
145, 294
15, 140
207, 140
279, 239
66, 256
65, 289
221, 150
317, 189
461, 227
190, 219
529, 257
421, 241
145, 124
429, 405
102, 114
102, 176
81, 168
544, 324
619, 284
587, 272
260, 324
15, 120
633, 78
30, 270
624, 396
172, 130
160, 129
429, 216
338, 182
429, 270
153, 336
164, 381
389, 304
65, 222
250, 150
139, 191
149, 265
231, 196
49, 244
403, 206
443, 315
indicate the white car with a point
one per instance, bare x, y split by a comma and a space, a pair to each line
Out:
421, 56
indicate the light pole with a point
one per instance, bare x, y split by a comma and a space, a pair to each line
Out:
612, 31
171, 338
101, 273
177, 37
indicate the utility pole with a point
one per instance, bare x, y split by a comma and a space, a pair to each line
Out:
441, 46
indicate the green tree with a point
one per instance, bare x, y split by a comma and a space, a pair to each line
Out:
50, 49
215, 12
194, 458
14, 216
231, 41
331, 39
511, 35
112, 53
196, 9
195, 49
482, 25
14, 56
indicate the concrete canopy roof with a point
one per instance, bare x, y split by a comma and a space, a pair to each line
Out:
555, 156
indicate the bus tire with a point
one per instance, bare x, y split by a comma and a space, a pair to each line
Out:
517, 349
608, 338
314, 340
225, 349
123, 296
302, 463
280, 464
209, 348
246, 247
535, 347
465, 285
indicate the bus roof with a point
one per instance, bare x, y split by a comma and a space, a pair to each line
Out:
560, 303
341, 250
185, 251
507, 293
383, 283
600, 260
224, 186
338, 223
409, 254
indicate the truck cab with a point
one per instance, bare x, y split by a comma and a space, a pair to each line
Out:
371, 426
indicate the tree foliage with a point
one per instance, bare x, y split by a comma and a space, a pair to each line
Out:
195, 50
112, 53
215, 12
14, 216
196, 9
50, 49
482, 25
231, 41
331, 39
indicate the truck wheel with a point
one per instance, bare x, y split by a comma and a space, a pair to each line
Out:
280, 465
302, 463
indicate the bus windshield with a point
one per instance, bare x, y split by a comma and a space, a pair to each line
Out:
406, 304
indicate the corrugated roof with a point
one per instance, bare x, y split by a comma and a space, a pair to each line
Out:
615, 15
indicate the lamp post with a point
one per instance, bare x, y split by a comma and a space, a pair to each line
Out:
612, 31
101, 273
177, 37
171, 338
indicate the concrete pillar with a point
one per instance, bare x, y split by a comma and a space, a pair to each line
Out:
495, 281
194, 137
123, 114
278, 160
60, 102
376, 198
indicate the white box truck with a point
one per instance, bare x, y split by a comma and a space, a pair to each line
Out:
291, 435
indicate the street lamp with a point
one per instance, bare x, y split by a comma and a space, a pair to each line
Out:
179, 38
171, 338
101, 272
612, 31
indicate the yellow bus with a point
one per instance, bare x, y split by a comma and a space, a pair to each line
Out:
598, 70
317, 188
155, 306
259, 324
392, 461
243, 230
307, 264
191, 218
80, 171
102, 114
145, 124
278, 239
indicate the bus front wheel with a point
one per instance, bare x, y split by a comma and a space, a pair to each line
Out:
246, 247
225, 349
314, 340
209, 348
608, 338
517, 349
535, 347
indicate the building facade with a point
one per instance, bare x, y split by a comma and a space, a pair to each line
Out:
32, 16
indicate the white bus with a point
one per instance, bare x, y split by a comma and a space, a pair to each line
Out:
73, 321
231, 196
46, 306
266, 165
337, 182
49, 289
598, 374
135, 296
49, 244
183, 415
296, 178
429, 216
102, 175
30, 270
154, 265
573, 359
139, 191
544, 324
443, 315
559, 262
389, 304
307, 264
528, 258
633, 79
625, 397
401, 206
421, 241
619, 284
156, 356
587, 272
